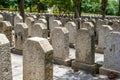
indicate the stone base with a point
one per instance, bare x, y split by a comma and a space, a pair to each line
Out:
63, 62
105, 71
86, 67
99, 50
16, 51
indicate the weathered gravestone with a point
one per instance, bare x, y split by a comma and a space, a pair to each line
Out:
42, 21
17, 19
6, 28
5, 59
37, 59
39, 30
103, 32
72, 28
1, 18
89, 26
111, 54
29, 21
85, 51
60, 43
55, 23
21, 33
116, 26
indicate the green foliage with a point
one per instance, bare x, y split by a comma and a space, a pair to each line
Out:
88, 6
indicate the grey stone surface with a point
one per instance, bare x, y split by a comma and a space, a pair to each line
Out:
17, 19
103, 32
112, 54
60, 43
5, 59
37, 59
1, 18
72, 28
6, 28
39, 30
21, 33
29, 21
55, 23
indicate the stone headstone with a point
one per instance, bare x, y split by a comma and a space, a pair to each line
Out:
102, 33
42, 21
72, 28
89, 26
5, 59
85, 51
21, 33
18, 19
116, 26
6, 28
1, 18
39, 30
55, 23
111, 54
29, 21
37, 59
60, 43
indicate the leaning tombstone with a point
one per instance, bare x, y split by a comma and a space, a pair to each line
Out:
60, 43
39, 30
21, 34
102, 33
37, 59
72, 28
5, 59
111, 55
85, 51
29, 21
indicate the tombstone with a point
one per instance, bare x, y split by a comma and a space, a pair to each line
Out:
6, 28
29, 21
111, 54
116, 26
103, 32
60, 43
5, 59
39, 30
85, 51
1, 18
21, 33
37, 59
42, 21
72, 28
18, 19
56, 23
89, 26
51, 21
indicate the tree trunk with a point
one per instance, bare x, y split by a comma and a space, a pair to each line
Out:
21, 9
77, 7
104, 5
119, 8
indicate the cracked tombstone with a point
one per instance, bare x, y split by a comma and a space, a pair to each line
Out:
72, 28
103, 32
5, 59
85, 51
60, 43
111, 54
21, 33
39, 30
29, 21
37, 59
